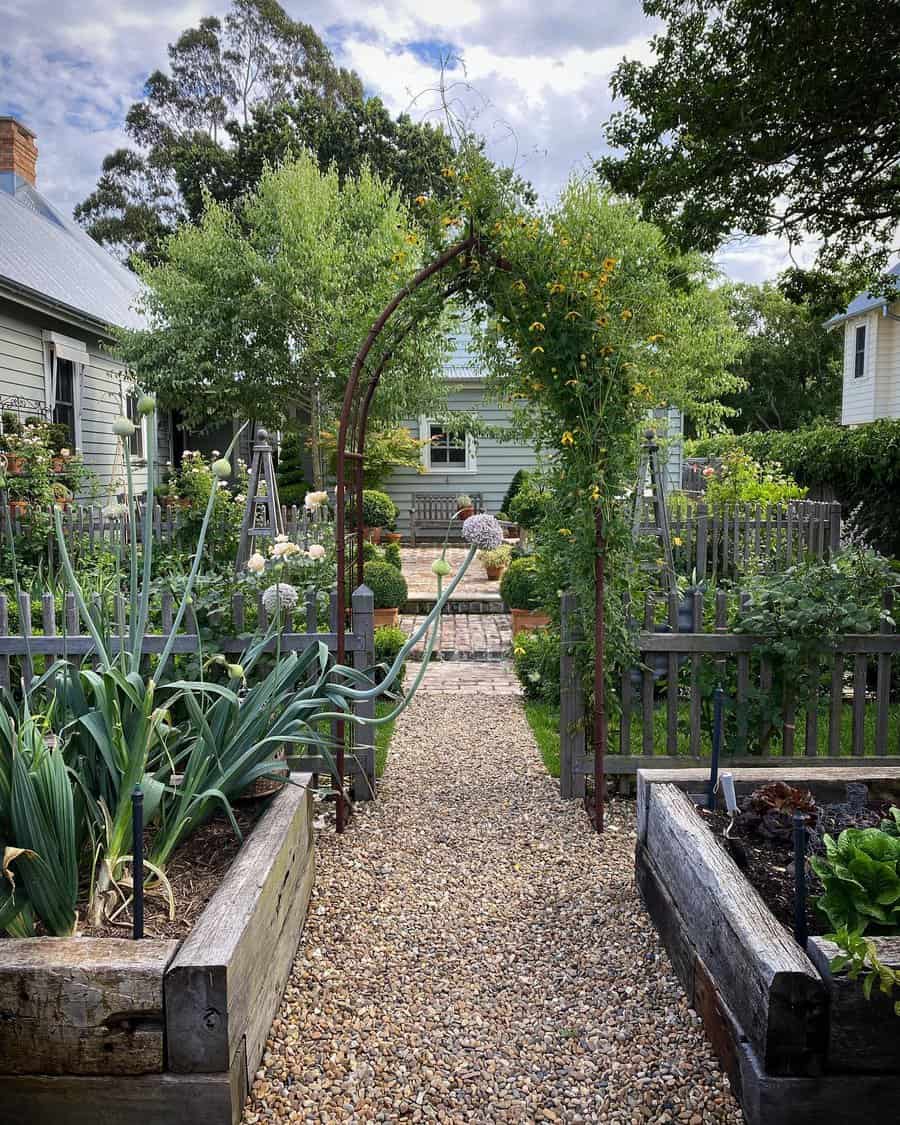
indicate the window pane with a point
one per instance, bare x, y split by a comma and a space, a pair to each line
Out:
859, 363
64, 404
456, 455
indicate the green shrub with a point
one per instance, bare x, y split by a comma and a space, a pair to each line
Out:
370, 552
520, 584
290, 474
536, 664
391, 554
514, 485
386, 583
378, 509
860, 464
389, 639
741, 479
529, 506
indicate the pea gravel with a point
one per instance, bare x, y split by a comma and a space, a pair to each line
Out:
474, 953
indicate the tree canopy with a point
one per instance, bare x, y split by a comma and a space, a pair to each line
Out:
252, 88
259, 309
761, 117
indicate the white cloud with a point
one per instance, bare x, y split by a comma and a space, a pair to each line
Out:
534, 77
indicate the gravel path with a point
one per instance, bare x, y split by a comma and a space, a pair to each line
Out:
474, 954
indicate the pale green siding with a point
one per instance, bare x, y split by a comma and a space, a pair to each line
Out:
495, 462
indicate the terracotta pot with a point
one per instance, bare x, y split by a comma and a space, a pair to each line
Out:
526, 620
386, 617
373, 534
464, 513
15, 464
494, 572
18, 508
391, 536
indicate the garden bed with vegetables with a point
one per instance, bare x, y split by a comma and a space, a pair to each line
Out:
166, 1031
802, 1036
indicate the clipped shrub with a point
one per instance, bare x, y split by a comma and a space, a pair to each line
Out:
520, 584
290, 473
389, 639
529, 506
378, 509
860, 464
386, 583
391, 553
370, 552
536, 664
514, 485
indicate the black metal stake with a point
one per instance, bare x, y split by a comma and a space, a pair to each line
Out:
800, 930
137, 862
716, 748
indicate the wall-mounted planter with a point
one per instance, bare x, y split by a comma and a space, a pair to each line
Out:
108, 1031
526, 620
799, 1046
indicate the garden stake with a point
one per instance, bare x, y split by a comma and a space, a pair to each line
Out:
800, 931
716, 747
137, 860
600, 729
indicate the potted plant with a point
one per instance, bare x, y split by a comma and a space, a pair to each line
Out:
389, 589
520, 589
378, 511
495, 560
391, 534
510, 528
464, 506
62, 496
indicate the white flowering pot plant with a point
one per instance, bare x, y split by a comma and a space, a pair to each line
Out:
495, 561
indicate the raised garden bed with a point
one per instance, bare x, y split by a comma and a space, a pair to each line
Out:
165, 1032
800, 1046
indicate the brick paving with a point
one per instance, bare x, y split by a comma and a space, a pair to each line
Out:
469, 677
423, 584
466, 636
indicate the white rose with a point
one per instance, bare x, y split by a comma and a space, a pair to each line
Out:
317, 551
314, 500
256, 564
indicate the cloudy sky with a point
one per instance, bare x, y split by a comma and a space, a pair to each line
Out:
534, 76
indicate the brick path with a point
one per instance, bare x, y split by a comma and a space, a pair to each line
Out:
466, 636
423, 584
468, 677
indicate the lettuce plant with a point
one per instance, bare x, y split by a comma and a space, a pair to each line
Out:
860, 873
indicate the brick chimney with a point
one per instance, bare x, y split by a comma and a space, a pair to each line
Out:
18, 152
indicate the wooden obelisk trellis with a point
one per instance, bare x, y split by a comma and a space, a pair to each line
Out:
262, 512
658, 525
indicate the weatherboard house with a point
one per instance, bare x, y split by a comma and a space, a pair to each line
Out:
60, 293
871, 385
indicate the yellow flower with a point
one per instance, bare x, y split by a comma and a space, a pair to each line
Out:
568, 438
655, 338
537, 386
602, 321
595, 492
448, 173
448, 221
537, 349
677, 540
519, 651
572, 313
627, 314
609, 264
412, 238
519, 286
399, 256
498, 227
565, 531
536, 326
557, 287
421, 200
571, 382
608, 350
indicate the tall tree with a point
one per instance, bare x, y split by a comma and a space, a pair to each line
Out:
260, 308
765, 117
255, 87
790, 365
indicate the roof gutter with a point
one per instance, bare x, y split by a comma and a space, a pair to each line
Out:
40, 302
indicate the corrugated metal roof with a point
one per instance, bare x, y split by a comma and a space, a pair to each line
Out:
862, 303
43, 251
461, 362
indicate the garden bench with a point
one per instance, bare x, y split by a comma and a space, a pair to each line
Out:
434, 512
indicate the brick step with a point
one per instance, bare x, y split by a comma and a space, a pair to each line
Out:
450, 655
420, 605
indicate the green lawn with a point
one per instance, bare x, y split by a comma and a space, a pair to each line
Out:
544, 722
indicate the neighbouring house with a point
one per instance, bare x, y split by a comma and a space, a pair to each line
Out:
59, 294
459, 463
871, 386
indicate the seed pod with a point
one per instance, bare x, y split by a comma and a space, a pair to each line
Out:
235, 671
146, 404
123, 427
440, 567
222, 468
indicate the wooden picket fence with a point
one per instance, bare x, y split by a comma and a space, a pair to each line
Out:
721, 542
62, 637
662, 716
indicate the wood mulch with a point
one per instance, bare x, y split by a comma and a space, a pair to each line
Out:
194, 872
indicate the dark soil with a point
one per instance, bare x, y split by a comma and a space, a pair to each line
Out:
769, 864
194, 872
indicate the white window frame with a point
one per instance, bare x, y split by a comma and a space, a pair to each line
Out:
57, 347
128, 390
856, 351
471, 464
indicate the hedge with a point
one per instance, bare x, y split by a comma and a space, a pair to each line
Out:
860, 464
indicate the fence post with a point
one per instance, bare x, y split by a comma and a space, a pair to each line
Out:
362, 625
835, 528
571, 702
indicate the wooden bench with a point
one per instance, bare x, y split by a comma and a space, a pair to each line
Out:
435, 512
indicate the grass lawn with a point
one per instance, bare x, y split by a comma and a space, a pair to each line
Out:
544, 722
